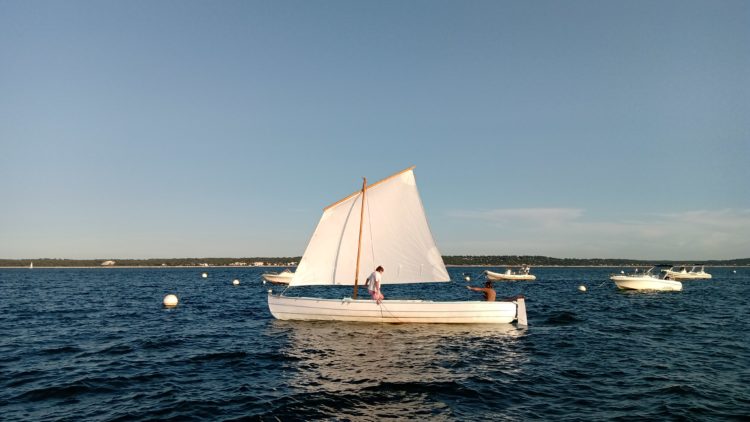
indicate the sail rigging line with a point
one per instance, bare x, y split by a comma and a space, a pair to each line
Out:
369, 224
284, 291
382, 307
359, 244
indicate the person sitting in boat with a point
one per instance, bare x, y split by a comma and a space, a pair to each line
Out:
373, 284
489, 292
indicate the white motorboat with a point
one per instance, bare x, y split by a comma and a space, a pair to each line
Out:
645, 280
510, 275
283, 277
697, 272
382, 224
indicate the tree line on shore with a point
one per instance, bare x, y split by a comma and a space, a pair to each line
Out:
546, 261
477, 260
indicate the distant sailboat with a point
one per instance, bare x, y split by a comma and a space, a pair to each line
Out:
31, 265
382, 224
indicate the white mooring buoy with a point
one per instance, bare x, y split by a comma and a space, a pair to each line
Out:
170, 300
236, 282
204, 275
467, 278
582, 288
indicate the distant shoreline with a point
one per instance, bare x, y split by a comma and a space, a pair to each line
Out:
467, 261
146, 266
291, 266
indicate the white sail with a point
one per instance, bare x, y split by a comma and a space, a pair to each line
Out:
395, 234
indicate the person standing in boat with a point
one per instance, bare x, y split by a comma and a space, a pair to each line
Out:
489, 292
373, 284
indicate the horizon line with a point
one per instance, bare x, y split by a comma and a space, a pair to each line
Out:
299, 257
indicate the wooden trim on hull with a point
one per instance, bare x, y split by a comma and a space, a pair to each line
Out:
391, 311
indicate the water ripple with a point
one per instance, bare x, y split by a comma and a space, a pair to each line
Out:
96, 344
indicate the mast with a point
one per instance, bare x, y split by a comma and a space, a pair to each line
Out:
359, 242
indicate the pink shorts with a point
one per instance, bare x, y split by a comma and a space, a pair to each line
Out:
375, 295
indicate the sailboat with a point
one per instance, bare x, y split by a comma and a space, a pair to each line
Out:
381, 224
31, 265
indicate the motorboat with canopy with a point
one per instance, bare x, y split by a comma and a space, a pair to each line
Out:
645, 280
697, 272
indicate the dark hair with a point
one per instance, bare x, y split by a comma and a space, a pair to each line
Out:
488, 284
379, 269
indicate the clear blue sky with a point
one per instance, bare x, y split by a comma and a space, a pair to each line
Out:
138, 129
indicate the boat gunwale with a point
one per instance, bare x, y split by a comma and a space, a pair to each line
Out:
395, 301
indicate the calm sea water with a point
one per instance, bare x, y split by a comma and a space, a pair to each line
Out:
96, 344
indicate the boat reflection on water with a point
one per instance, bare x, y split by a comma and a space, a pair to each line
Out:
403, 371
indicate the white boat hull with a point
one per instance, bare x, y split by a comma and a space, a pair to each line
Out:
493, 276
677, 275
396, 311
645, 283
278, 278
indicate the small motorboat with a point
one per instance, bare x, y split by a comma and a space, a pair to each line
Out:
283, 277
697, 272
510, 275
645, 280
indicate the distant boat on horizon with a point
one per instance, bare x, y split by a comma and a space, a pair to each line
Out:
31, 265
680, 273
283, 277
510, 275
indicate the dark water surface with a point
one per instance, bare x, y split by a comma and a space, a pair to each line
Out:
96, 344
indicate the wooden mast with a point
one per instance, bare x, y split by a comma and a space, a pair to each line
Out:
359, 242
